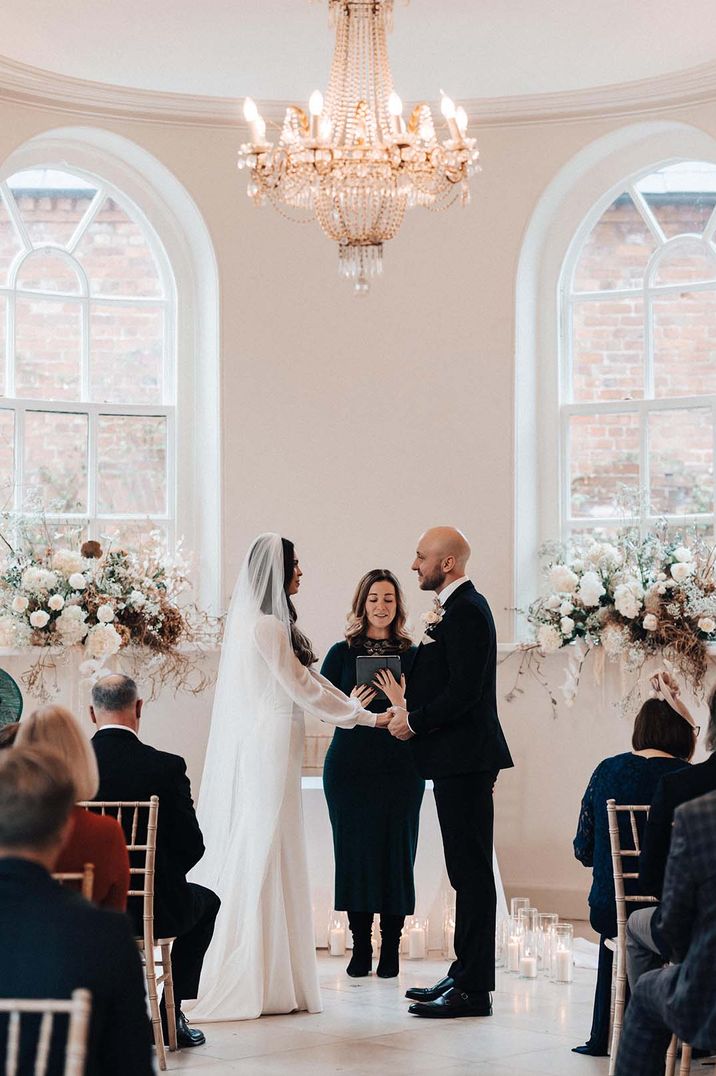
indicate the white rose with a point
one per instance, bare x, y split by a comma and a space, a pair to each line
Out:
553, 602
650, 623
102, 641
56, 602
431, 617
628, 598
566, 625
39, 618
566, 608
683, 555
38, 580
19, 604
77, 581
706, 624
563, 579
590, 590
68, 561
74, 612
549, 639
681, 571
136, 598
105, 613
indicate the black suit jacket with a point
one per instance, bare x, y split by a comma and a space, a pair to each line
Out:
51, 943
132, 770
452, 692
673, 790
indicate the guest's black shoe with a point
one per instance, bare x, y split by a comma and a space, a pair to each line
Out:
430, 993
188, 1036
591, 1050
453, 1004
361, 962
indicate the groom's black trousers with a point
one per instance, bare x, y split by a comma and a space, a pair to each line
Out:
466, 813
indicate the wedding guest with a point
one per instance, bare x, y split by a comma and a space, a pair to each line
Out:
8, 734
132, 770
662, 742
51, 941
643, 952
92, 838
372, 786
680, 998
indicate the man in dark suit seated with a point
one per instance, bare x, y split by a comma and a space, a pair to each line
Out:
51, 940
680, 998
643, 953
132, 770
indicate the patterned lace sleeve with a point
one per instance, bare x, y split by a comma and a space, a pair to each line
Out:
584, 840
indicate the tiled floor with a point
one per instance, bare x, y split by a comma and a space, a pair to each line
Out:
365, 1028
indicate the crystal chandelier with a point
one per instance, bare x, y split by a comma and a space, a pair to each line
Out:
352, 162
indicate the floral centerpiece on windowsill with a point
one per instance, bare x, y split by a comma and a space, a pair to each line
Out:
100, 602
630, 601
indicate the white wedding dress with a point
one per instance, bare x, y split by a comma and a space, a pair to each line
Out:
262, 957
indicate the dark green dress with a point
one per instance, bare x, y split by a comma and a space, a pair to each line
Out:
374, 793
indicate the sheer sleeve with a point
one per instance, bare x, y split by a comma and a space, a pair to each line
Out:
308, 689
584, 839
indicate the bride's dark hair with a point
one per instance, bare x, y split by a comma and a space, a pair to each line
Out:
301, 644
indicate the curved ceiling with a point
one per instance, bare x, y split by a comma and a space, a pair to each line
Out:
280, 49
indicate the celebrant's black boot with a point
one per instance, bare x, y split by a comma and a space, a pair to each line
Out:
391, 927
361, 924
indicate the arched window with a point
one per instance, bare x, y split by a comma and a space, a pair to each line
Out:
87, 363
638, 357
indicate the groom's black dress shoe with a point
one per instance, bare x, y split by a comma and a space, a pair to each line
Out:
430, 993
186, 1036
453, 1004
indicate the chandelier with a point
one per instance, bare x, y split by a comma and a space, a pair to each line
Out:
352, 162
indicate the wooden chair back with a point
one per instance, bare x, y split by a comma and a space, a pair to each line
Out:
78, 1008
85, 877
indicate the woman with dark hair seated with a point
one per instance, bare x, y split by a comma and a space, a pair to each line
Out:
663, 741
373, 789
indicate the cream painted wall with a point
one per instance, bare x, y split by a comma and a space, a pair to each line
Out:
352, 425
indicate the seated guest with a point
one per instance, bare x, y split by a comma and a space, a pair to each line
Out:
51, 941
662, 742
93, 838
132, 770
373, 788
8, 734
674, 789
680, 998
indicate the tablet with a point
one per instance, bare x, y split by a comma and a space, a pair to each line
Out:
367, 666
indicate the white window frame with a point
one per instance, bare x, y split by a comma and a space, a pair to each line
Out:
644, 406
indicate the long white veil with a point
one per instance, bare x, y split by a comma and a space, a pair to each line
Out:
244, 779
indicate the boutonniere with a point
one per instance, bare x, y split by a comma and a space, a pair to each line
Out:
430, 621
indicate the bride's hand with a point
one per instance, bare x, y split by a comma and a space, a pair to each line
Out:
390, 687
364, 693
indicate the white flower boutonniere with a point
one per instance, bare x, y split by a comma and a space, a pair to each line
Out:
430, 621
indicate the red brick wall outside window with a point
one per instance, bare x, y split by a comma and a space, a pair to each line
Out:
638, 400
86, 361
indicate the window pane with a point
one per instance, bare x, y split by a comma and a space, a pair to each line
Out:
50, 203
7, 459
686, 261
616, 251
40, 533
608, 350
681, 461
604, 457
685, 344
48, 336
582, 536
126, 353
10, 245
45, 271
55, 455
129, 533
116, 256
132, 465
681, 197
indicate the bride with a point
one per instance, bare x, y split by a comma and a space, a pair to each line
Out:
262, 957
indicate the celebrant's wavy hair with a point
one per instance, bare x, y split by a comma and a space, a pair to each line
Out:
55, 729
302, 646
357, 626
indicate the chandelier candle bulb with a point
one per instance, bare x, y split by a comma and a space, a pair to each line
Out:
315, 107
395, 108
257, 127
461, 120
447, 107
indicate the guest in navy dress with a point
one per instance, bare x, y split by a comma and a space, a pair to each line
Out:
662, 742
373, 788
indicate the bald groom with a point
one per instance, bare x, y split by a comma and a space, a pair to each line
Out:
451, 720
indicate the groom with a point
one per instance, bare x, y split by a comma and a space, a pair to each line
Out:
451, 719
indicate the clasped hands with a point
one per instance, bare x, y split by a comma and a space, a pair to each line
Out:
394, 719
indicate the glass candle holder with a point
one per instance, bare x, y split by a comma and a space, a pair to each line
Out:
528, 962
417, 932
545, 937
563, 953
502, 933
337, 934
449, 936
516, 904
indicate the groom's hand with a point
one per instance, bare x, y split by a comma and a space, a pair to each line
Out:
398, 726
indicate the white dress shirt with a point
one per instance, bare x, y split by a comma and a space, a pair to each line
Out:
124, 728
